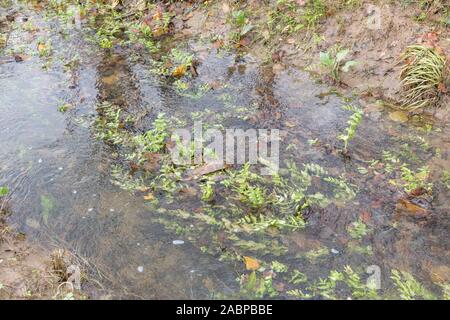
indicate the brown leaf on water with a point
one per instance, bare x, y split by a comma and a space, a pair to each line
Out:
365, 216
149, 197
218, 44
152, 161
407, 208
244, 42
251, 263
418, 192
21, 57
290, 124
188, 192
205, 169
179, 71
41, 47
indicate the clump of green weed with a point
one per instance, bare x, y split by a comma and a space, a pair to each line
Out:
358, 229
207, 190
108, 125
422, 77
353, 123
408, 287
240, 23
333, 61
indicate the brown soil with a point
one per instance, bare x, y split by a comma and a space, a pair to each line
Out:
30, 272
376, 77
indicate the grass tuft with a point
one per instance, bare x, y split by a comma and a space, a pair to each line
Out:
422, 77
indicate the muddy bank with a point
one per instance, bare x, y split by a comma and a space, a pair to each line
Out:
28, 271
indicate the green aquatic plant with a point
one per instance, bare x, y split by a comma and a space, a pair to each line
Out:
207, 189
142, 33
108, 124
3, 191
152, 141
279, 267
333, 61
109, 28
326, 287
175, 64
358, 249
422, 77
408, 179
413, 180
445, 178
64, 107
47, 205
44, 47
342, 190
121, 178
408, 287
359, 290
353, 123
298, 277
262, 223
255, 196
315, 254
244, 183
358, 229
256, 286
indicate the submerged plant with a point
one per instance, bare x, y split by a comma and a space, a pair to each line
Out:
408, 287
207, 190
422, 77
3, 191
353, 123
108, 124
358, 229
414, 180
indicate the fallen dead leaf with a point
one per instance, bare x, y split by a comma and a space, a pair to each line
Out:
41, 47
251, 263
410, 209
205, 169
149, 196
179, 71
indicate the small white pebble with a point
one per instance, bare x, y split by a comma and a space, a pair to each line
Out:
74, 191
112, 210
334, 251
140, 269
177, 242
138, 244
60, 168
40, 161
90, 209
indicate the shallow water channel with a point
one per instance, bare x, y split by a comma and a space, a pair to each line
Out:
71, 187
